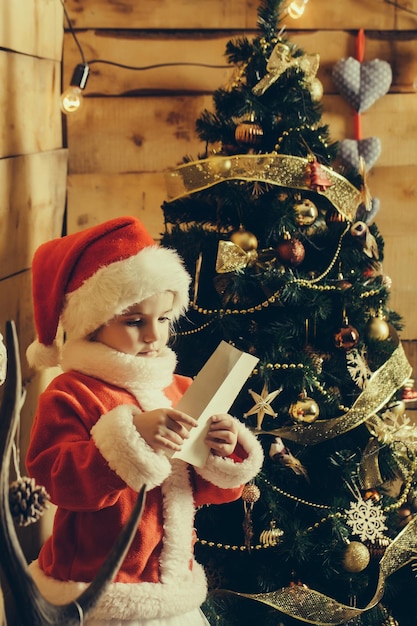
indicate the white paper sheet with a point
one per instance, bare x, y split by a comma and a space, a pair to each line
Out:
213, 391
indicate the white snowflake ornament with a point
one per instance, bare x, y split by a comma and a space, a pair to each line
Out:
366, 519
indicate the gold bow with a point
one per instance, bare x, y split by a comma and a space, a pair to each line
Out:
282, 60
231, 257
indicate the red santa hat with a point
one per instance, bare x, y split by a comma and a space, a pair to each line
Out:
83, 280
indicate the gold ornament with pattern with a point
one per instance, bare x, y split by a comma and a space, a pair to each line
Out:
271, 536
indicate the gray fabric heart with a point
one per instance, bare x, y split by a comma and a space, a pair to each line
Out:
351, 150
361, 84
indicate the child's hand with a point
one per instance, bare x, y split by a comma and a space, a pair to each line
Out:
164, 429
222, 435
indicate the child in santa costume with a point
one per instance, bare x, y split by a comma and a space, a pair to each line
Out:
104, 426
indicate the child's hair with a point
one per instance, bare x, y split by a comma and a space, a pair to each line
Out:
82, 280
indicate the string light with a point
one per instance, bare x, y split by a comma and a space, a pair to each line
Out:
72, 97
296, 8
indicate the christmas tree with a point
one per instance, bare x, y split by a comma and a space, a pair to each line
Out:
286, 258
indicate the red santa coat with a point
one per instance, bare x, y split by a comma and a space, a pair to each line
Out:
87, 453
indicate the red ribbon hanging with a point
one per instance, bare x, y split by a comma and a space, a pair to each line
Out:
360, 52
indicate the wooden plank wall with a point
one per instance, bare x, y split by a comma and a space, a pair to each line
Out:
135, 124
33, 174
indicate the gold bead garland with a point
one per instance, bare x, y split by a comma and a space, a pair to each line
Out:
299, 129
311, 284
316, 525
227, 546
295, 498
185, 333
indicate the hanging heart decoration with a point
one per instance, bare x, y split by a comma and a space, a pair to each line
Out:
351, 151
362, 84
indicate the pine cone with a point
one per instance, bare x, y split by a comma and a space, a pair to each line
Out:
27, 501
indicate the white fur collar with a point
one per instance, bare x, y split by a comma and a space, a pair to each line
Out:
144, 378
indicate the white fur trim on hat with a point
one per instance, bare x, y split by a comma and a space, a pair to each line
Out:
42, 356
119, 285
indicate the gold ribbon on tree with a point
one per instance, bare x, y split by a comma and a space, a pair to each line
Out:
282, 170
310, 606
282, 60
381, 386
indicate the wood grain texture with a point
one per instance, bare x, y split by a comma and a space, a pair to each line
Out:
32, 119
193, 53
32, 27
217, 14
32, 201
98, 197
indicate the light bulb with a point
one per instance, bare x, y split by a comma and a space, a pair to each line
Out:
296, 8
72, 98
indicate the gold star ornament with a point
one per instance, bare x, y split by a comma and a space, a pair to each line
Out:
262, 404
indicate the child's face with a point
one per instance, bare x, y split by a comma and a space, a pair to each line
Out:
143, 330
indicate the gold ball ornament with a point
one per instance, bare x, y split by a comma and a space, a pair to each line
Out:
377, 328
304, 410
244, 239
397, 407
356, 557
272, 535
306, 212
249, 133
251, 493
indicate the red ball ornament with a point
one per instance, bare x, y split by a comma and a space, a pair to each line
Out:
290, 252
346, 337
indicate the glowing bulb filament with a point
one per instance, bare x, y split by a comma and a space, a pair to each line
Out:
72, 98
296, 8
